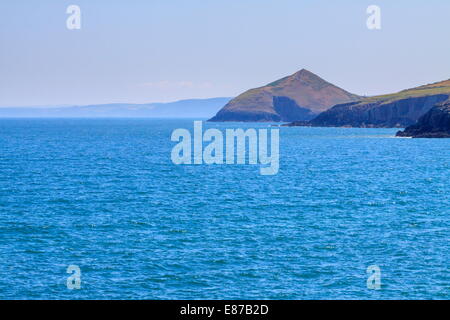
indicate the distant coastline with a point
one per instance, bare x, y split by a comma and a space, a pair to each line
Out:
191, 108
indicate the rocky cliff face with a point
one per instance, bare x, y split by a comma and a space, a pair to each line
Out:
399, 113
399, 109
297, 97
434, 124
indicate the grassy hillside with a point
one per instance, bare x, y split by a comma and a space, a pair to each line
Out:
306, 92
442, 87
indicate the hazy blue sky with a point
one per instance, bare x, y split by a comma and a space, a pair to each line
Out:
162, 50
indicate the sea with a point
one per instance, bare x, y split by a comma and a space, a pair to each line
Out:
102, 197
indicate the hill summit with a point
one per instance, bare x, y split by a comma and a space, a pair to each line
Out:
300, 96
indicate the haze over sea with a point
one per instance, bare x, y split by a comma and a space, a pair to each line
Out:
104, 195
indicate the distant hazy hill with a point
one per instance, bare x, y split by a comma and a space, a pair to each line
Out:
194, 108
391, 110
300, 96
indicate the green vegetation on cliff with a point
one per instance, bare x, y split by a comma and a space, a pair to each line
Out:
399, 109
442, 87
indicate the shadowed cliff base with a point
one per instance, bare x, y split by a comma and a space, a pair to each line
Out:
434, 124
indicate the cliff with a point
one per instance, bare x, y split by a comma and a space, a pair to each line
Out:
434, 124
387, 111
300, 96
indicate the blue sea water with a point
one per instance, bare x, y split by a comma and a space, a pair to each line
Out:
104, 195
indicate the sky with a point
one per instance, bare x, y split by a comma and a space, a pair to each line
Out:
141, 51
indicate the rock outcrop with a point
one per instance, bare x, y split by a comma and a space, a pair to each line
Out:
300, 96
388, 111
434, 124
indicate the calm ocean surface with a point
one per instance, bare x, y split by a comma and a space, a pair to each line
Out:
104, 195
